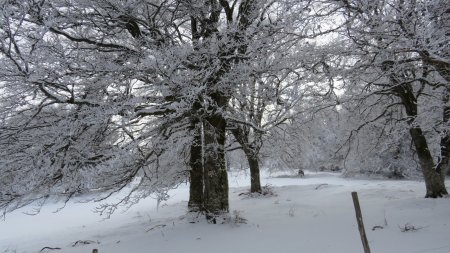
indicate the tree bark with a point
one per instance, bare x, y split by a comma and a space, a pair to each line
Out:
215, 173
444, 159
255, 181
434, 184
196, 173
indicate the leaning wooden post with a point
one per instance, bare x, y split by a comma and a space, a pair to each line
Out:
359, 219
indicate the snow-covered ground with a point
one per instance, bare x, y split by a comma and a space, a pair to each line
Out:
313, 214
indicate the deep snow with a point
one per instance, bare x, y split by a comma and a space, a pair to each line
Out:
313, 214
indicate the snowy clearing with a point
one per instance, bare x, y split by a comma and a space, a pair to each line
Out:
310, 214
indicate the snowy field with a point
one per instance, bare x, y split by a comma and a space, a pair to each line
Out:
313, 214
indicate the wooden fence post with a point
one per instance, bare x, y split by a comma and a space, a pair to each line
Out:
95, 251
359, 219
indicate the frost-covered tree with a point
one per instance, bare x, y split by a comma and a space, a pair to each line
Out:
99, 95
84, 88
381, 148
398, 57
280, 78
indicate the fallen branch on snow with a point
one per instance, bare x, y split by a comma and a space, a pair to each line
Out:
49, 248
320, 185
157, 226
407, 228
84, 242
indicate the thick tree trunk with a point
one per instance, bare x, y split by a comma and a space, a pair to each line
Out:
433, 180
444, 159
255, 182
215, 173
196, 173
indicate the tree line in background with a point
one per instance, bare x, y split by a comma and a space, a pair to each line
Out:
141, 95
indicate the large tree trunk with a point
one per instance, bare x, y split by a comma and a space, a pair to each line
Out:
444, 162
196, 173
255, 182
434, 184
215, 173
444, 159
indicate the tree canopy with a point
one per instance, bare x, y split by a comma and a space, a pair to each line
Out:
143, 94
